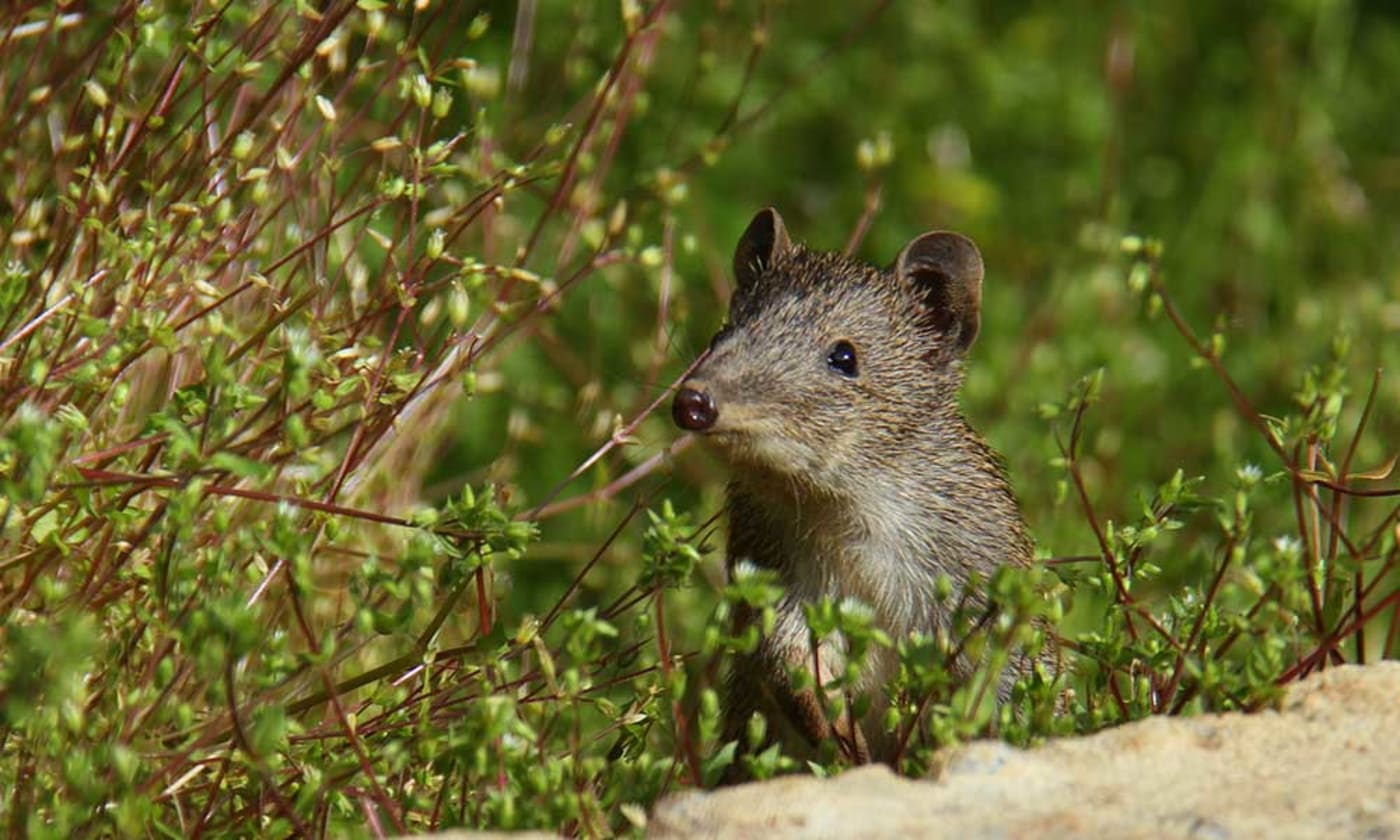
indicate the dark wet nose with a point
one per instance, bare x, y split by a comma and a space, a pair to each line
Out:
694, 410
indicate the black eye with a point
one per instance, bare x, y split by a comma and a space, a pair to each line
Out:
842, 358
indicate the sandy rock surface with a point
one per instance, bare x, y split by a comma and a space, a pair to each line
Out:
1326, 765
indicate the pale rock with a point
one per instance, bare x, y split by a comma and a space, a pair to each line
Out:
1325, 765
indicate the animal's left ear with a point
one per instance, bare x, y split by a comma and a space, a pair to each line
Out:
945, 270
762, 243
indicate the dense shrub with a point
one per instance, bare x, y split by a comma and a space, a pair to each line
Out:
335, 500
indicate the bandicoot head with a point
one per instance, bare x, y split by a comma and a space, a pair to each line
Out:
828, 365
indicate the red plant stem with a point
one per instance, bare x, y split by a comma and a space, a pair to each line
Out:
241, 738
1242, 404
101, 477
1077, 478
684, 742
615, 440
1311, 560
1166, 696
566, 178
873, 193
483, 603
380, 795
593, 561
1325, 649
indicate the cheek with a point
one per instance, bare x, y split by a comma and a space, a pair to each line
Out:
833, 419
896, 374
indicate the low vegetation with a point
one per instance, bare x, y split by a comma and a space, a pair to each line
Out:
334, 497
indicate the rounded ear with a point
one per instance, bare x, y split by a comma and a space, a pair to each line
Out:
945, 270
763, 240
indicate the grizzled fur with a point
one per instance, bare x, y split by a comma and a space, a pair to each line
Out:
863, 486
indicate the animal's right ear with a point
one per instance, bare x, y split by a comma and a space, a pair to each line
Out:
945, 269
763, 240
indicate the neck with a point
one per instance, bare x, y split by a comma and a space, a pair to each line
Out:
939, 505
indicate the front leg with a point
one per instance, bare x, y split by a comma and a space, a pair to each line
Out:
762, 682
804, 706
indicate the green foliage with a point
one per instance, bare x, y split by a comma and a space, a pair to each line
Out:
279, 281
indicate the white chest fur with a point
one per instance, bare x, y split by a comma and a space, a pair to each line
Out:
880, 561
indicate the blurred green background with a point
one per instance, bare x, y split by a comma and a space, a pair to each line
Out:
250, 251
1257, 143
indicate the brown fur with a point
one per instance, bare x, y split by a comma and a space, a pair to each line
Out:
864, 487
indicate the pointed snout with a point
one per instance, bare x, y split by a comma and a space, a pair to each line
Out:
693, 408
